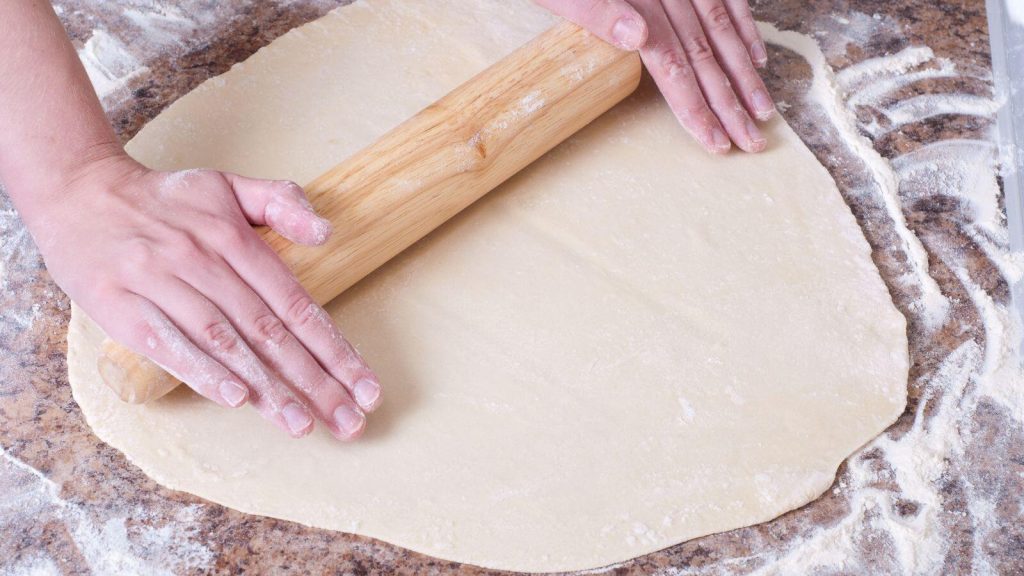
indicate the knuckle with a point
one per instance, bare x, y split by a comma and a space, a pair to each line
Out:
718, 18
136, 254
184, 248
320, 388
672, 63
230, 233
300, 308
292, 189
143, 336
270, 329
698, 49
221, 336
344, 358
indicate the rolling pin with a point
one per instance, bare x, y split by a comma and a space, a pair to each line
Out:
425, 171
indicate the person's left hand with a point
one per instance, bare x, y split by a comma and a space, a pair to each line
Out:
703, 55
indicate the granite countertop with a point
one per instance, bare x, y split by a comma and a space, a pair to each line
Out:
939, 491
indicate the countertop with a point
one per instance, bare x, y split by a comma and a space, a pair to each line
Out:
940, 492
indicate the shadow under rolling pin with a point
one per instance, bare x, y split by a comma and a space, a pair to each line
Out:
457, 149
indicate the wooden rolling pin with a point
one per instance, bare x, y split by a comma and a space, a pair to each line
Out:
386, 197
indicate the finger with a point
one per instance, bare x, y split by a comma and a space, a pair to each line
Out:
667, 62
614, 21
206, 327
282, 205
713, 81
152, 334
747, 28
281, 291
284, 351
734, 58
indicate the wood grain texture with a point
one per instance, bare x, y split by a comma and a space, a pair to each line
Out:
428, 169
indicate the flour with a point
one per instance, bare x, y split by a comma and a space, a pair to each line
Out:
530, 104
16, 249
34, 566
869, 70
1015, 10
856, 30
175, 180
109, 546
167, 24
966, 168
875, 91
826, 93
108, 63
923, 107
15, 243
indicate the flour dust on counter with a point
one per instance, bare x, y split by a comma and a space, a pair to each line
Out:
627, 345
895, 486
111, 546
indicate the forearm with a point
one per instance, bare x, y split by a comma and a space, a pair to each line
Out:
51, 122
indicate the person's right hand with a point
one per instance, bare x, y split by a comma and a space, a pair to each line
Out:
703, 55
169, 265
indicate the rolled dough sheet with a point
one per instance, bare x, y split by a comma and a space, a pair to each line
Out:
628, 345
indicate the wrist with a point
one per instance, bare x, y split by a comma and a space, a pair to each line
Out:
93, 170
102, 163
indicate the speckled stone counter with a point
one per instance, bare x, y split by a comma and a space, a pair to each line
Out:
940, 492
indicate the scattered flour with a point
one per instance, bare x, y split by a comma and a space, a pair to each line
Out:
530, 104
871, 69
178, 179
16, 248
826, 92
926, 106
109, 547
1015, 10
166, 24
108, 63
857, 28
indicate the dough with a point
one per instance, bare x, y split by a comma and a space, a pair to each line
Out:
628, 345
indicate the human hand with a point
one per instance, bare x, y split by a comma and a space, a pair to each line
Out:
702, 55
169, 265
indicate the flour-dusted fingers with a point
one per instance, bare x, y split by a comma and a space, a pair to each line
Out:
207, 328
712, 79
311, 354
747, 29
285, 352
668, 64
144, 328
270, 278
282, 205
614, 21
734, 57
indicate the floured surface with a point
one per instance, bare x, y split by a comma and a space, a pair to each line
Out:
626, 346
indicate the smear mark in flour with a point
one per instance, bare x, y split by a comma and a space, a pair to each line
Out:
117, 545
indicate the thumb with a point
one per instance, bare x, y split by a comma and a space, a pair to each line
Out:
281, 205
614, 21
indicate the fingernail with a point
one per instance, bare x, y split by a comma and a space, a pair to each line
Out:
232, 393
349, 420
763, 105
321, 230
758, 54
756, 140
367, 392
719, 141
297, 419
628, 33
